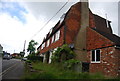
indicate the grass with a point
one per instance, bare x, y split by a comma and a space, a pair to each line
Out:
55, 71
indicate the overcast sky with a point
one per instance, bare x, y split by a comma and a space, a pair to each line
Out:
20, 21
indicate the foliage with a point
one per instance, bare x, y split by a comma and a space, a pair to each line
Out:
69, 64
33, 57
54, 71
28, 61
22, 53
64, 51
31, 47
18, 57
65, 55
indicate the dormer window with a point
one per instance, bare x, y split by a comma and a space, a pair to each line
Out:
57, 35
62, 17
50, 31
52, 38
48, 42
43, 45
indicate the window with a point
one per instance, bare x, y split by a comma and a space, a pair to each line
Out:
52, 38
48, 42
95, 56
62, 17
43, 45
57, 35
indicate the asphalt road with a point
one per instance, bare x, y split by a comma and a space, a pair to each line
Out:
12, 69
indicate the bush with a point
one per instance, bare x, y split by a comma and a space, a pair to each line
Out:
70, 64
54, 71
33, 57
62, 54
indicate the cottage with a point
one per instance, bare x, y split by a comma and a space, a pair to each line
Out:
89, 35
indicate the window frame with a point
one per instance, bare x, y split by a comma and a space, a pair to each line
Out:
57, 35
48, 43
53, 39
43, 45
96, 56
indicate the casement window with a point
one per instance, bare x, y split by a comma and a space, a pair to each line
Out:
48, 42
43, 45
95, 56
52, 38
57, 35
62, 17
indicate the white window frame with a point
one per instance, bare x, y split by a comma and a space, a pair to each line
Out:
48, 42
95, 57
53, 37
57, 35
43, 45
55, 49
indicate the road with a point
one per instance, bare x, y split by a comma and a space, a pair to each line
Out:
12, 69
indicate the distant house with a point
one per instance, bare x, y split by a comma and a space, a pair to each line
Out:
91, 38
15, 55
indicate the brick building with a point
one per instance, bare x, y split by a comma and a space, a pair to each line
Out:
89, 35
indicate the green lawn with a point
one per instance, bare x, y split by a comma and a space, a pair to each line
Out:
55, 71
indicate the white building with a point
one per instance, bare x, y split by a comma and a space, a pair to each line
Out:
1, 50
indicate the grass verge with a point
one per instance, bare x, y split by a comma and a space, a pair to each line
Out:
55, 71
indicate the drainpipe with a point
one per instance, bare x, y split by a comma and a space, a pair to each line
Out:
80, 41
64, 38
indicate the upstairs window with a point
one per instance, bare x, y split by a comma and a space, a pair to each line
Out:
52, 38
95, 56
48, 42
43, 45
57, 35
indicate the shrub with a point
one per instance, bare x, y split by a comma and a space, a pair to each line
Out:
33, 57
62, 54
69, 64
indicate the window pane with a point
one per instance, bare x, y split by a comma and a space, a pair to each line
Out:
93, 55
58, 34
53, 39
56, 37
97, 55
47, 43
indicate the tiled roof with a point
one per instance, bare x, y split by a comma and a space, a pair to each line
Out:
114, 38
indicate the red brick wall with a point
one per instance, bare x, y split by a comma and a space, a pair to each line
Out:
73, 21
96, 40
110, 56
55, 44
109, 63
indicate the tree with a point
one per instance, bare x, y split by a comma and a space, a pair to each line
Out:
31, 47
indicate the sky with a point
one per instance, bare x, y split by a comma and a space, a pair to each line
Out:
22, 20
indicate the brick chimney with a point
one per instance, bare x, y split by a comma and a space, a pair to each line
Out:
80, 42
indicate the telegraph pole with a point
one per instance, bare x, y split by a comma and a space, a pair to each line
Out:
24, 46
23, 52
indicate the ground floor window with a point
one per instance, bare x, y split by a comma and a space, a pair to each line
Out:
95, 56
